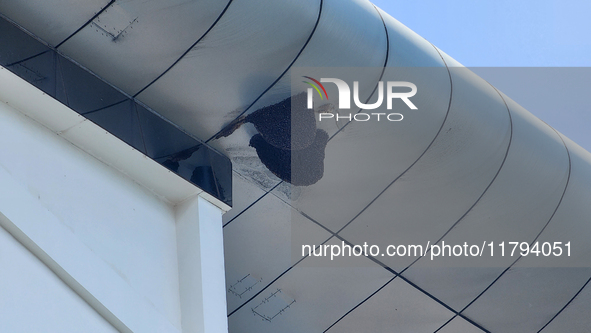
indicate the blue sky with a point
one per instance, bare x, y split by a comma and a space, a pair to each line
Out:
502, 32
524, 33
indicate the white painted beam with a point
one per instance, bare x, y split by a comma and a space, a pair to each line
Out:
99, 143
201, 267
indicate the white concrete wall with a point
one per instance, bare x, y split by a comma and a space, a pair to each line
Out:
123, 224
34, 299
92, 243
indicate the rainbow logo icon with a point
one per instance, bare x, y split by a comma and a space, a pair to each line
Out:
316, 87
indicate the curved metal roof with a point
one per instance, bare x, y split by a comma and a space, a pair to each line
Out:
474, 166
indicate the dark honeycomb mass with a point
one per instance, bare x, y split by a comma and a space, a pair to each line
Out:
298, 167
288, 125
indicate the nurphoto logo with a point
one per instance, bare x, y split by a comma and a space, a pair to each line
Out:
344, 99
